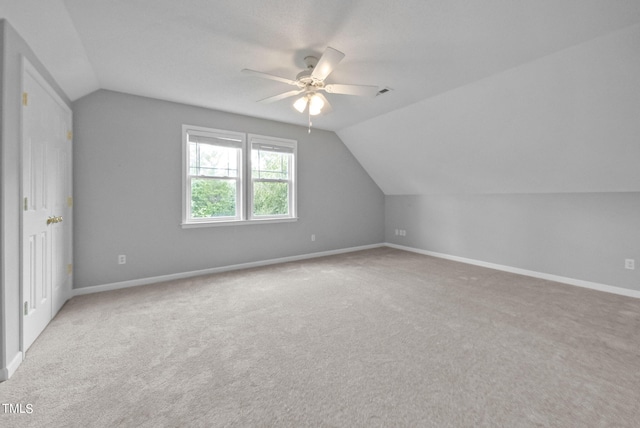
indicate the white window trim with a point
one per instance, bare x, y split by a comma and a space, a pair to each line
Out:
246, 183
186, 189
281, 142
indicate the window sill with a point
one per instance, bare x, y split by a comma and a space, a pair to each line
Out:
237, 222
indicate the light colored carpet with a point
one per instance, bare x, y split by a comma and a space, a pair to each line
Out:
374, 338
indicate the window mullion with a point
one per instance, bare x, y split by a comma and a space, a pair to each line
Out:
271, 180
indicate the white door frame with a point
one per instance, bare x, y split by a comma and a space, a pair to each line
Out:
27, 67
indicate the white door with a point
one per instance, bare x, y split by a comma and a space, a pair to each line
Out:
46, 216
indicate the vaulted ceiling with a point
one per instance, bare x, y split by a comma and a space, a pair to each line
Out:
446, 62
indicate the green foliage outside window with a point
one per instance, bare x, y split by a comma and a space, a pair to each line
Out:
270, 198
213, 198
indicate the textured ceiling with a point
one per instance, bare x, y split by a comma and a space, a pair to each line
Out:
192, 51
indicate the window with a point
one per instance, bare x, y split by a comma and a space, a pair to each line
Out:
226, 182
214, 175
272, 172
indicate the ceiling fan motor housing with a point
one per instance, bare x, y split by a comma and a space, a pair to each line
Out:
304, 79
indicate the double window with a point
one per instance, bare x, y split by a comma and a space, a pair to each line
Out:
235, 177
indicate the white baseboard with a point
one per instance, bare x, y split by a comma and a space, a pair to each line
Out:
151, 280
8, 371
571, 281
171, 277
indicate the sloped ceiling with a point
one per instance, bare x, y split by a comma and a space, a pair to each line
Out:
568, 122
453, 66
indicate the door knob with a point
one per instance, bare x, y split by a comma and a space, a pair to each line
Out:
54, 220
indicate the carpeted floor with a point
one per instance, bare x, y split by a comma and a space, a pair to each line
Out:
374, 338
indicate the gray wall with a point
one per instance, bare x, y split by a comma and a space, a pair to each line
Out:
582, 236
127, 194
12, 47
536, 167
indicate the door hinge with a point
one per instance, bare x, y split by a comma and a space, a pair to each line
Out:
26, 308
26, 204
25, 99
69, 135
69, 201
69, 269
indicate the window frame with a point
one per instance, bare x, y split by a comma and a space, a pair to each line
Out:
244, 207
287, 144
187, 218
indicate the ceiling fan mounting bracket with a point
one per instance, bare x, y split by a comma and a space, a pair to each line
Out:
311, 62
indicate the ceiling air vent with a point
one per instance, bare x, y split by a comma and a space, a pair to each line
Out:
383, 91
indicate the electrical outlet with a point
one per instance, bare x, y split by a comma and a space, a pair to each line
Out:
313, 237
122, 259
403, 232
629, 264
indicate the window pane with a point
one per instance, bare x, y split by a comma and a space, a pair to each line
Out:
213, 198
270, 198
213, 161
265, 164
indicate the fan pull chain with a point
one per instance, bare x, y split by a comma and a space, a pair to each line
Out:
309, 113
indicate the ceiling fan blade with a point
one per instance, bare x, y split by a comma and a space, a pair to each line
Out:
326, 108
268, 76
361, 90
327, 62
281, 96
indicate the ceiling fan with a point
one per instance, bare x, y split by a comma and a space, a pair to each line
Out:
310, 83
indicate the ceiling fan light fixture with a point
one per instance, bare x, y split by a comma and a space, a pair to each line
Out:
301, 104
315, 105
314, 111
